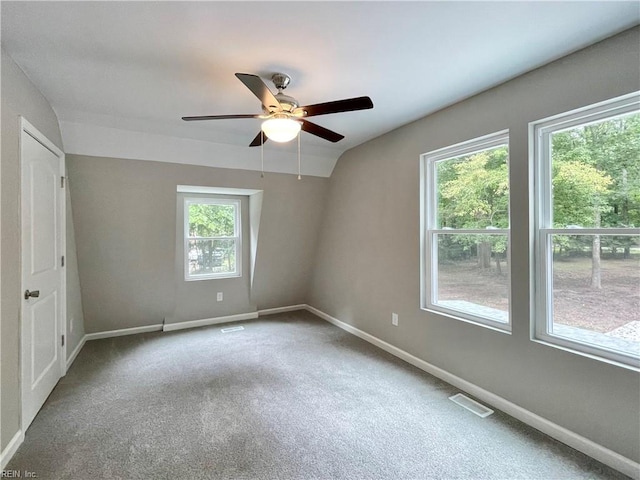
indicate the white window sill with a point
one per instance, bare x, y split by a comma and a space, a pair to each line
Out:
463, 315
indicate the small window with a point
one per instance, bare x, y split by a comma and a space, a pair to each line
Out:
465, 257
212, 238
587, 253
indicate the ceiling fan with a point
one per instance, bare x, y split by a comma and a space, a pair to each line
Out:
283, 116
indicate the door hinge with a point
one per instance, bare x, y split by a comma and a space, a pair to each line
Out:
61, 182
63, 260
63, 340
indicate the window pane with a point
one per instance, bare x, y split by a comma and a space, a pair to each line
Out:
473, 190
596, 297
211, 220
208, 257
472, 275
596, 174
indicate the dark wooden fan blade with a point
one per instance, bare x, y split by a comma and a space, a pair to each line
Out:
259, 140
220, 117
321, 132
347, 105
260, 90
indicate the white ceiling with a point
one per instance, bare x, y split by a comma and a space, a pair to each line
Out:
140, 66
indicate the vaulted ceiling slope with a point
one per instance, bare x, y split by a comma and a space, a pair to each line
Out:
128, 71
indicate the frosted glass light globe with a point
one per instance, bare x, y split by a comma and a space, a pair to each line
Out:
281, 129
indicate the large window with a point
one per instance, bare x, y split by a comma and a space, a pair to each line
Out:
587, 237
212, 238
465, 244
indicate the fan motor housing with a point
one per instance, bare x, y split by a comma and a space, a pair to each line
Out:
288, 103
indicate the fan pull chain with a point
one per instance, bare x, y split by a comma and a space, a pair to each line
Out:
299, 177
262, 155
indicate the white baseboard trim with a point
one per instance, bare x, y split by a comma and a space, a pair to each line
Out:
76, 351
168, 327
123, 331
11, 448
583, 444
290, 308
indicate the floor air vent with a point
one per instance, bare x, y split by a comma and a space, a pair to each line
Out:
231, 329
471, 405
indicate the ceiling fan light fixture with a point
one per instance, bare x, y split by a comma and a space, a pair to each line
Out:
283, 116
281, 129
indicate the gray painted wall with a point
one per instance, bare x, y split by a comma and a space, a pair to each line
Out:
21, 97
125, 219
367, 264
75, 313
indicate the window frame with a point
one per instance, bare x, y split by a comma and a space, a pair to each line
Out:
540, 133
429, 232
237, 237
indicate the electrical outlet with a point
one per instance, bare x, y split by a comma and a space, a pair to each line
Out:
394, 319
71, 322
219, 297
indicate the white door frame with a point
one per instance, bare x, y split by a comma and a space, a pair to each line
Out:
27, 128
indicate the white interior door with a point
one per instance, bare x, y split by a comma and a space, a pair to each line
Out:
43, 280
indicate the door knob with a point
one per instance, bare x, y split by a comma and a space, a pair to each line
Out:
34, 294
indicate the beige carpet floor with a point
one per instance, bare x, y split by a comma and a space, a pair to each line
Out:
288, 397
